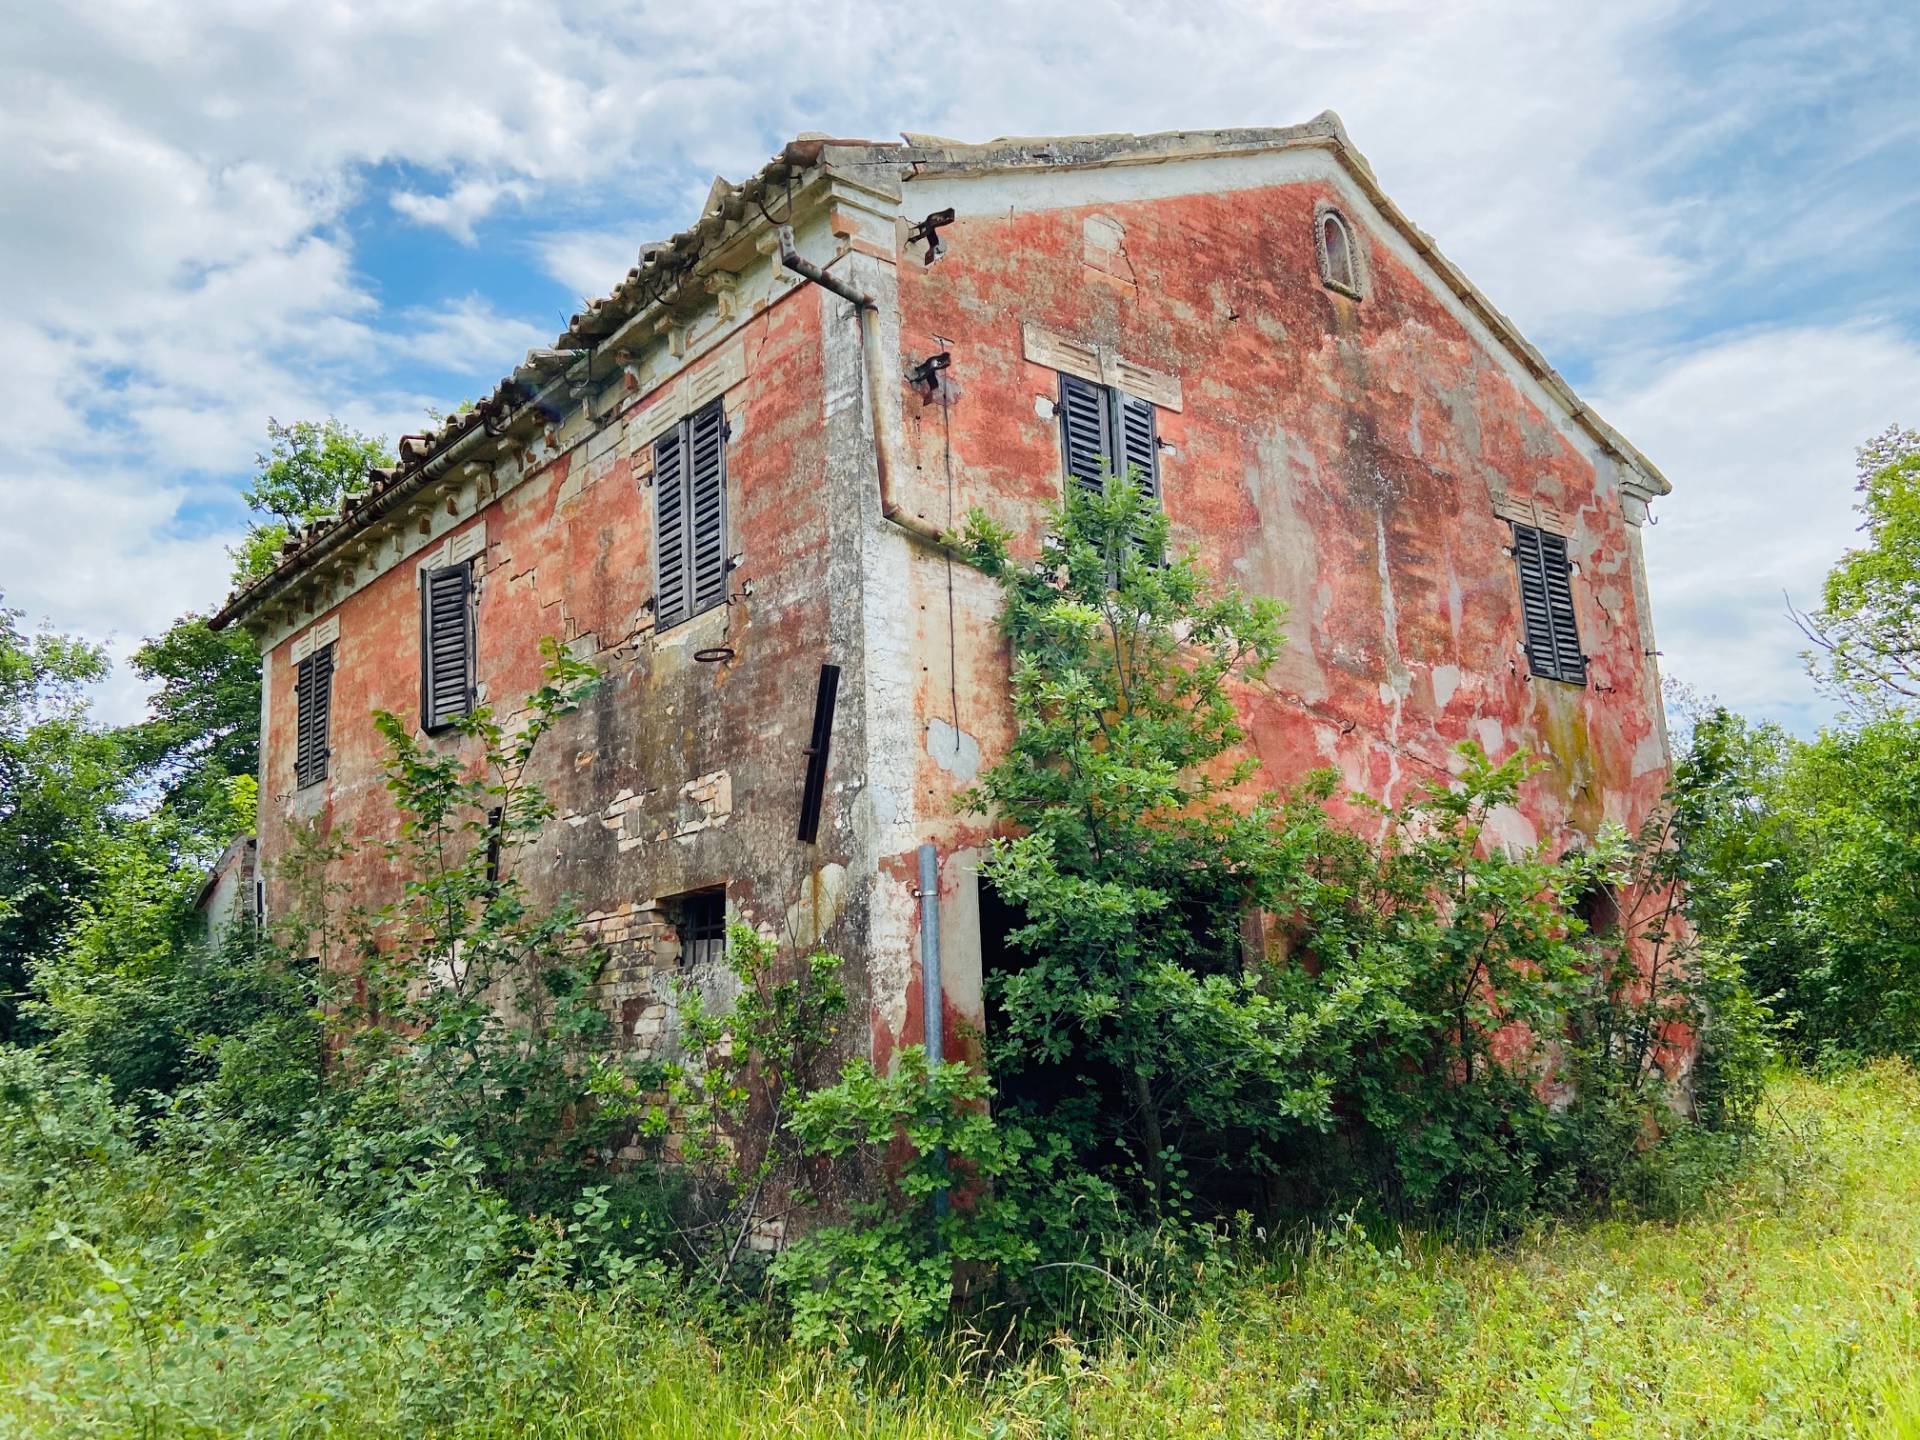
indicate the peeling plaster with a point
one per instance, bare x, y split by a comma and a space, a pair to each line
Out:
1341, 457
811, 916
954, 751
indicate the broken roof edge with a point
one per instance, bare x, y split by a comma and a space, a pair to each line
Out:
662, 268
1045, 151
651, 282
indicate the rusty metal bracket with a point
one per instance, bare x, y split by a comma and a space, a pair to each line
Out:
925, 377
929, 230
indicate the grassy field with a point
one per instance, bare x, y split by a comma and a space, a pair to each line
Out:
1792, 1307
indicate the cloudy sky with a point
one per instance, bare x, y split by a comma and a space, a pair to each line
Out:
215, 211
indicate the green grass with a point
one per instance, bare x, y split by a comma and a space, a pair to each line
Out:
1790, 1307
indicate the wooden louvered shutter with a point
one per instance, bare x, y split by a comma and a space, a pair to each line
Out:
1086, 431
1546, 603
313, 707
303, 719
446, 645
707, 507
671, 600
1569, 663
1138, 446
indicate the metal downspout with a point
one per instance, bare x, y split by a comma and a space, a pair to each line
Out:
867, 312
931, 993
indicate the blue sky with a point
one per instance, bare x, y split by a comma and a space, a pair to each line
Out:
214, 211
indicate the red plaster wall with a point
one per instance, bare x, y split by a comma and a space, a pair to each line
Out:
1335, 454
576, 563
1341, 456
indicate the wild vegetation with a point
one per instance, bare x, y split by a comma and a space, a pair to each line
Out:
1288, 1129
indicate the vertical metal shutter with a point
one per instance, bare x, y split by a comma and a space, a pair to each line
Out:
690, 516
446, 645
1086, 431
1546, 604
313, 709
1567, 655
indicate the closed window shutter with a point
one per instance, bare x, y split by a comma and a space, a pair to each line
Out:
1139, 449
707, 507
303, 719
1085, 431
690, 516
670, 597
313, 707
1567, 656
446, 645
1107, 431
1546, 604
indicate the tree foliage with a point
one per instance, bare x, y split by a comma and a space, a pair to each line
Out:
60, 780
202, 728
1867, 631
1804, 859
308, 468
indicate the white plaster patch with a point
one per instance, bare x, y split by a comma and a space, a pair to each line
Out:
960, 976
1102, 232
813, 914
1446, 681
1492, 737
1650, 754
954, 751
319, 637
1511, 829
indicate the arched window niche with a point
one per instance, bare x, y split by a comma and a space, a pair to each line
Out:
1333, 242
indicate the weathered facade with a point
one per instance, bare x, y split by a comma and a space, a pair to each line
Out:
1333, 416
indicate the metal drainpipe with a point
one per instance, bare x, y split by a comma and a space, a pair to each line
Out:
930, 987
930, 951
867, 312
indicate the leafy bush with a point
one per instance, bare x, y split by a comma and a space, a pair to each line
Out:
212, 1279
471, 1015
1392, 1040
925, 1164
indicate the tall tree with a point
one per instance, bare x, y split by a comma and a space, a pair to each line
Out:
307, 469
203, 725
1868, 628
203, 720
60, 778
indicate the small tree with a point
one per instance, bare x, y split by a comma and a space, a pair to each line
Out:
476, 1015
1391, 1039
1136, 859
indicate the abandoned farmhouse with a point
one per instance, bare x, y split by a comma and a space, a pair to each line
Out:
725, 483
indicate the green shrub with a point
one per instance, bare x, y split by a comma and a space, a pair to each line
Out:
1391, 1045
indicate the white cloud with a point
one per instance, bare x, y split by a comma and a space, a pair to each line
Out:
470, 338
589, 262
460, 208
1757, 434
97, 552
